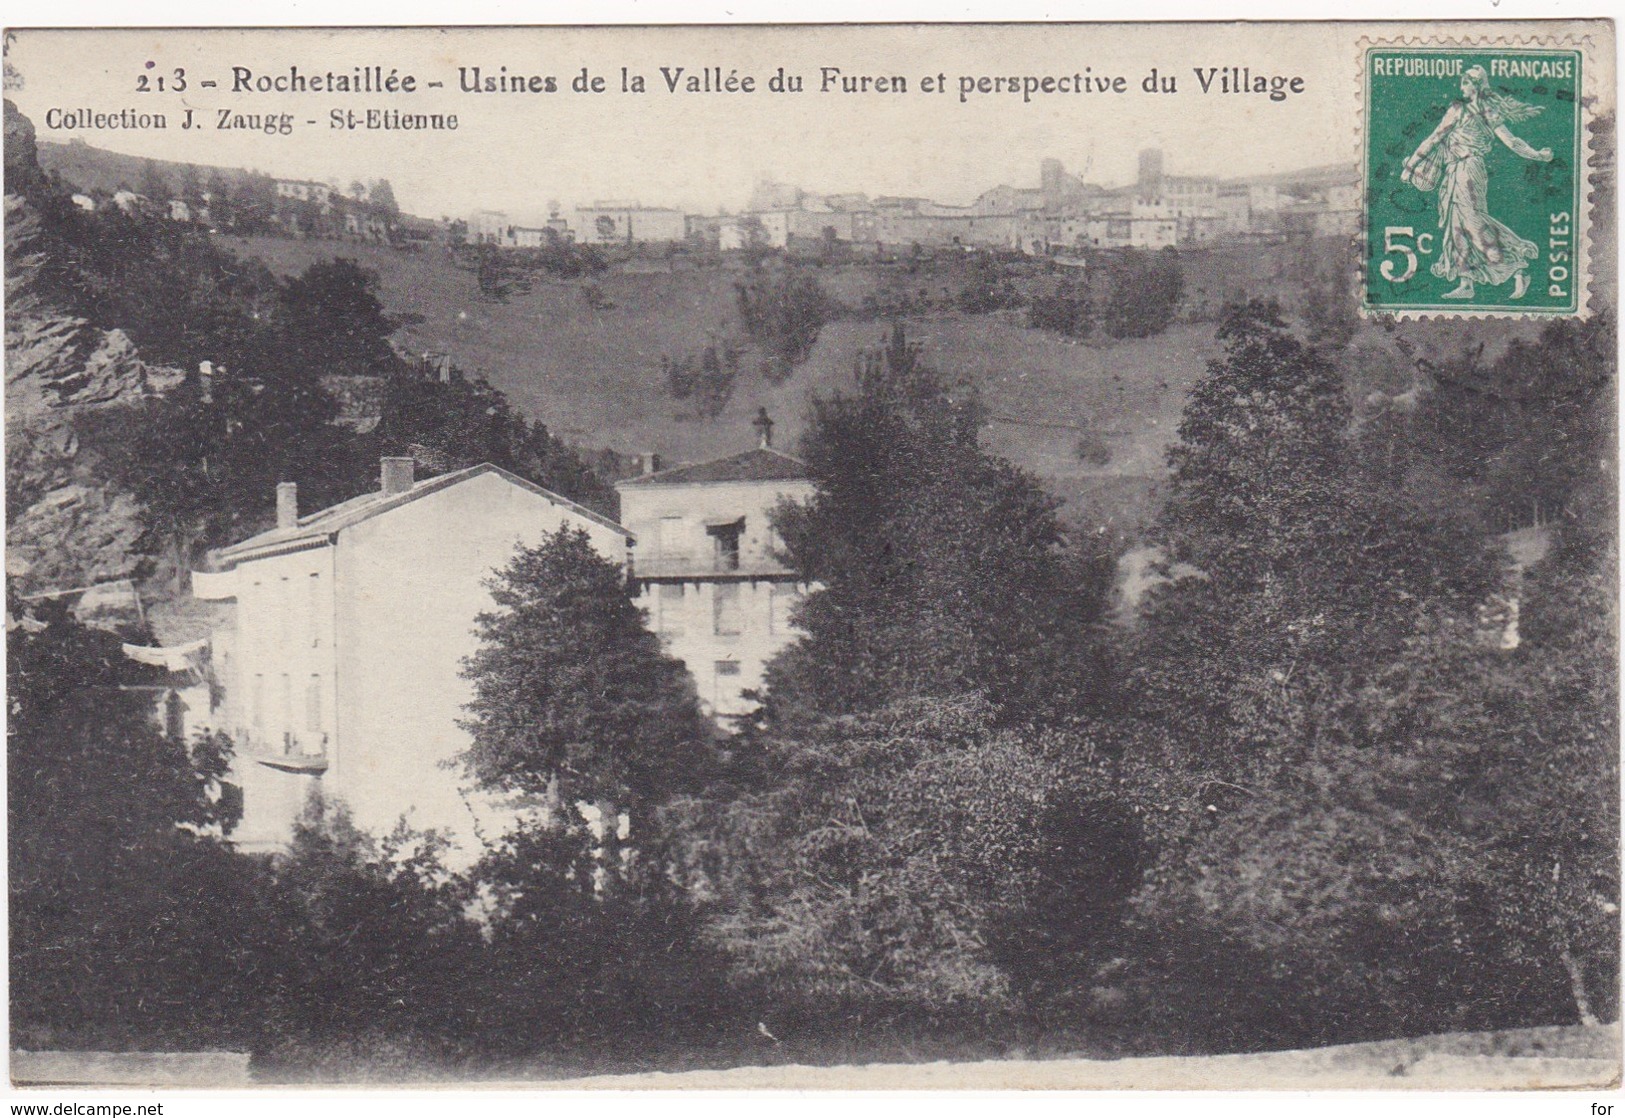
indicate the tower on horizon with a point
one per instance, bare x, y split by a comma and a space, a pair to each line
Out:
1051, 179
1151, 171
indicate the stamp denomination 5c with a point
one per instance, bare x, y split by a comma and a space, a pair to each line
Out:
1474, 180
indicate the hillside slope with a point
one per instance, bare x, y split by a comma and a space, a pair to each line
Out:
593, 375
591, 370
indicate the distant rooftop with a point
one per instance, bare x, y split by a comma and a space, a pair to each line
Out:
760, 464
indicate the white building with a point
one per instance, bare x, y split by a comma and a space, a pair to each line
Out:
608, 223
341, 664
770, 229
707, 569
527, 236
305, 190
488, 227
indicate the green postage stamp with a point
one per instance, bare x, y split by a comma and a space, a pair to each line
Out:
1475, 169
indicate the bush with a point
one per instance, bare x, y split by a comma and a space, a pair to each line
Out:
1146, 289
129, 923
913, 861
364, 938
580, 959
707, 379
987, 288
783, 315
1065, 312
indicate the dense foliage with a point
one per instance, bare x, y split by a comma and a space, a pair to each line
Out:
1371, 755
1145, 292
917, 858
573, 696
119, 899
706, 378
204, 460
1348, 769
940, 569
782, 313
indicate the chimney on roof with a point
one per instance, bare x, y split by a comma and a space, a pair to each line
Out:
764, 429
287, 505
649, 462
205, 380
395, 475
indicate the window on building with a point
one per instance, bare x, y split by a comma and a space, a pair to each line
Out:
217, 694
313, 704
725, 609
231, 800
669, 609
670, 546
781, 599
725, 681
725, 544
256, 703
315, 609
174, 717
284, 606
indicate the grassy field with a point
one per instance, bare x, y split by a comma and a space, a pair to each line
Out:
593, 375
592, 372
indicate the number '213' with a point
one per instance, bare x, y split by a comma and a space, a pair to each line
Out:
157, 83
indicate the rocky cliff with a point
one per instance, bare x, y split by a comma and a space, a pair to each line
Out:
66, 524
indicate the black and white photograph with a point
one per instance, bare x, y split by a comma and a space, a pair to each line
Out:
820, 556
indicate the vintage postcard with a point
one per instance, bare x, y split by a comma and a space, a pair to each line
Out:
998, 555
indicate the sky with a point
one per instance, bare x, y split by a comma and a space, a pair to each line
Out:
704, 150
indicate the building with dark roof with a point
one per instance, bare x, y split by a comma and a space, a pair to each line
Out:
707, 566
341, 661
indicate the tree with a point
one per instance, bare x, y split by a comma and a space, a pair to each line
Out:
708, 380
1521, 438
1329, 305
460, 422
783, 314
987, 288
940, 569
1554, 827
916, 859
332, 321
382, 195
176, 463
1436, 855
499, 273
256, 203
1347, 742
571, 964
1145, 293
573, 698
1299, 571
363, 940
189, 188
221, 201
154, 183
125, 907
1065, 312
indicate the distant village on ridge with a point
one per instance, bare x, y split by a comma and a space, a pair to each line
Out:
1062, 214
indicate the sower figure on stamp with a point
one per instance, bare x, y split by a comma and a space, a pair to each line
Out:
1474, 248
